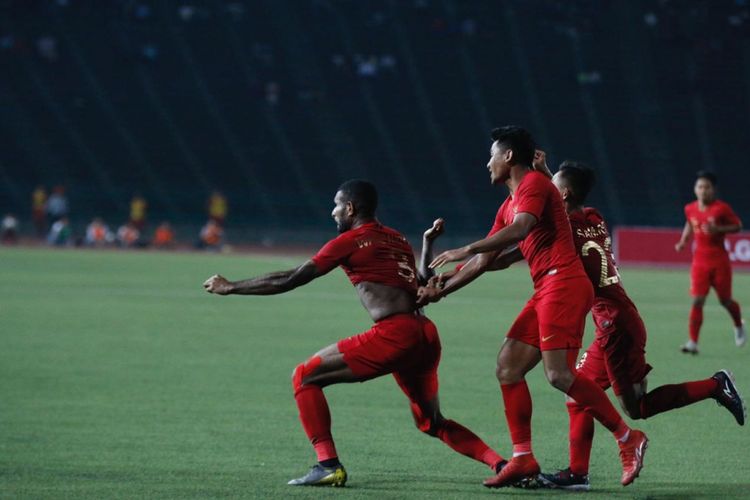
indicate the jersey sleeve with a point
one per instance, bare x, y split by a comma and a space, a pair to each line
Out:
333, 253
532, 196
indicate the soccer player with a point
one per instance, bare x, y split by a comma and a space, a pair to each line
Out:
380, 264
550, 327
710, 219
617, 355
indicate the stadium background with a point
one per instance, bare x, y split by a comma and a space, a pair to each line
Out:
276, 102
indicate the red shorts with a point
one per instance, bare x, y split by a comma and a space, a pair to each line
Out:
716, 273
617, 357
406, 345
555, 316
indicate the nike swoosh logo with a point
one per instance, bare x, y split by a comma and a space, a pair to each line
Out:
727, 390
545, 339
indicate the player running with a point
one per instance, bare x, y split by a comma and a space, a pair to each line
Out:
550, 327
617, 355
380, 264
710, 219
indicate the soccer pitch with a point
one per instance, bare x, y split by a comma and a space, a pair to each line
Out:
121, 378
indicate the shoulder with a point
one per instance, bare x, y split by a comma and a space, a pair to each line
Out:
692, 206
536, 180
593, 215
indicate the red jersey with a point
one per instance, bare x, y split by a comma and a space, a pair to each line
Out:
710, 246
548, 248
594, 247
371, 252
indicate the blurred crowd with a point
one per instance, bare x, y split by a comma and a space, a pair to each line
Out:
50, 215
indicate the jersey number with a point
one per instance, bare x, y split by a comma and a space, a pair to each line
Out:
406, 271
604, 280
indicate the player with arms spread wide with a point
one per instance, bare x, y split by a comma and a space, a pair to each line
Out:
550, 327
616, 357
380, 264
710, 219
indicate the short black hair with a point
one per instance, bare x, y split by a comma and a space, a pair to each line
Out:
579, 177
708, 175
519, 140
362, 194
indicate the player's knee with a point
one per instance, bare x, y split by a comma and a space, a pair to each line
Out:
429, 424
726, 302
633, 410
507, 374
303, 371
559, 379
699, 301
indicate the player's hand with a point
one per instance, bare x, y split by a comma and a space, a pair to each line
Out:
540, 162
436, 230
710, 227
438, 281
450, 256
218, 284
679, 246
427, 295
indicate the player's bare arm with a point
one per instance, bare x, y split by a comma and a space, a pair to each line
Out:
687, 233
713, 228
424, 273
468, 273
507, 258
540, 163
509, 235
268, 284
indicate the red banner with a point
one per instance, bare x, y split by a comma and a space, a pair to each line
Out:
655, 246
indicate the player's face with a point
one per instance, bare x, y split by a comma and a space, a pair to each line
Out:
498, 165
342, 213
704, 190
560, 184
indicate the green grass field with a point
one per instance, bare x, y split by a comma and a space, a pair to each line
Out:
121, 378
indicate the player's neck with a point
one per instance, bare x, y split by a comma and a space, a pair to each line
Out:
517, 173
702, 205
362, 221
570, 208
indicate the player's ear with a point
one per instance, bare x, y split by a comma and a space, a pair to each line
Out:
565, 193
350, 208
508, 155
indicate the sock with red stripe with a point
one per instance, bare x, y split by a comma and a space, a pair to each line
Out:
696, 320
596, 402
465, 442
517, 401
669, 397
734, 311
581, 437
316, 420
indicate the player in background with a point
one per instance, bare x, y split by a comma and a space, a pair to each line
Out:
616, 357
550, 326
380, 264
709, 220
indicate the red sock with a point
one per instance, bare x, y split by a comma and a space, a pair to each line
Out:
696, 320
581, 438
734, 311
669, 397
517, 401
592, 397
467, 443
316, 420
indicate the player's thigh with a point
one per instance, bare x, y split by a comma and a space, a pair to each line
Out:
515, 359
722, 281
700, 280
525, 327
561, 312
625, 352
592, 366
325, 367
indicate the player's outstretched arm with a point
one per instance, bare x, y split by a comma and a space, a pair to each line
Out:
268, 284
687, 232
509, 235
540, 163
504, 260
470, 271
424, 273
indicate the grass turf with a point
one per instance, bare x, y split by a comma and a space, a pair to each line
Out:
121, 378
